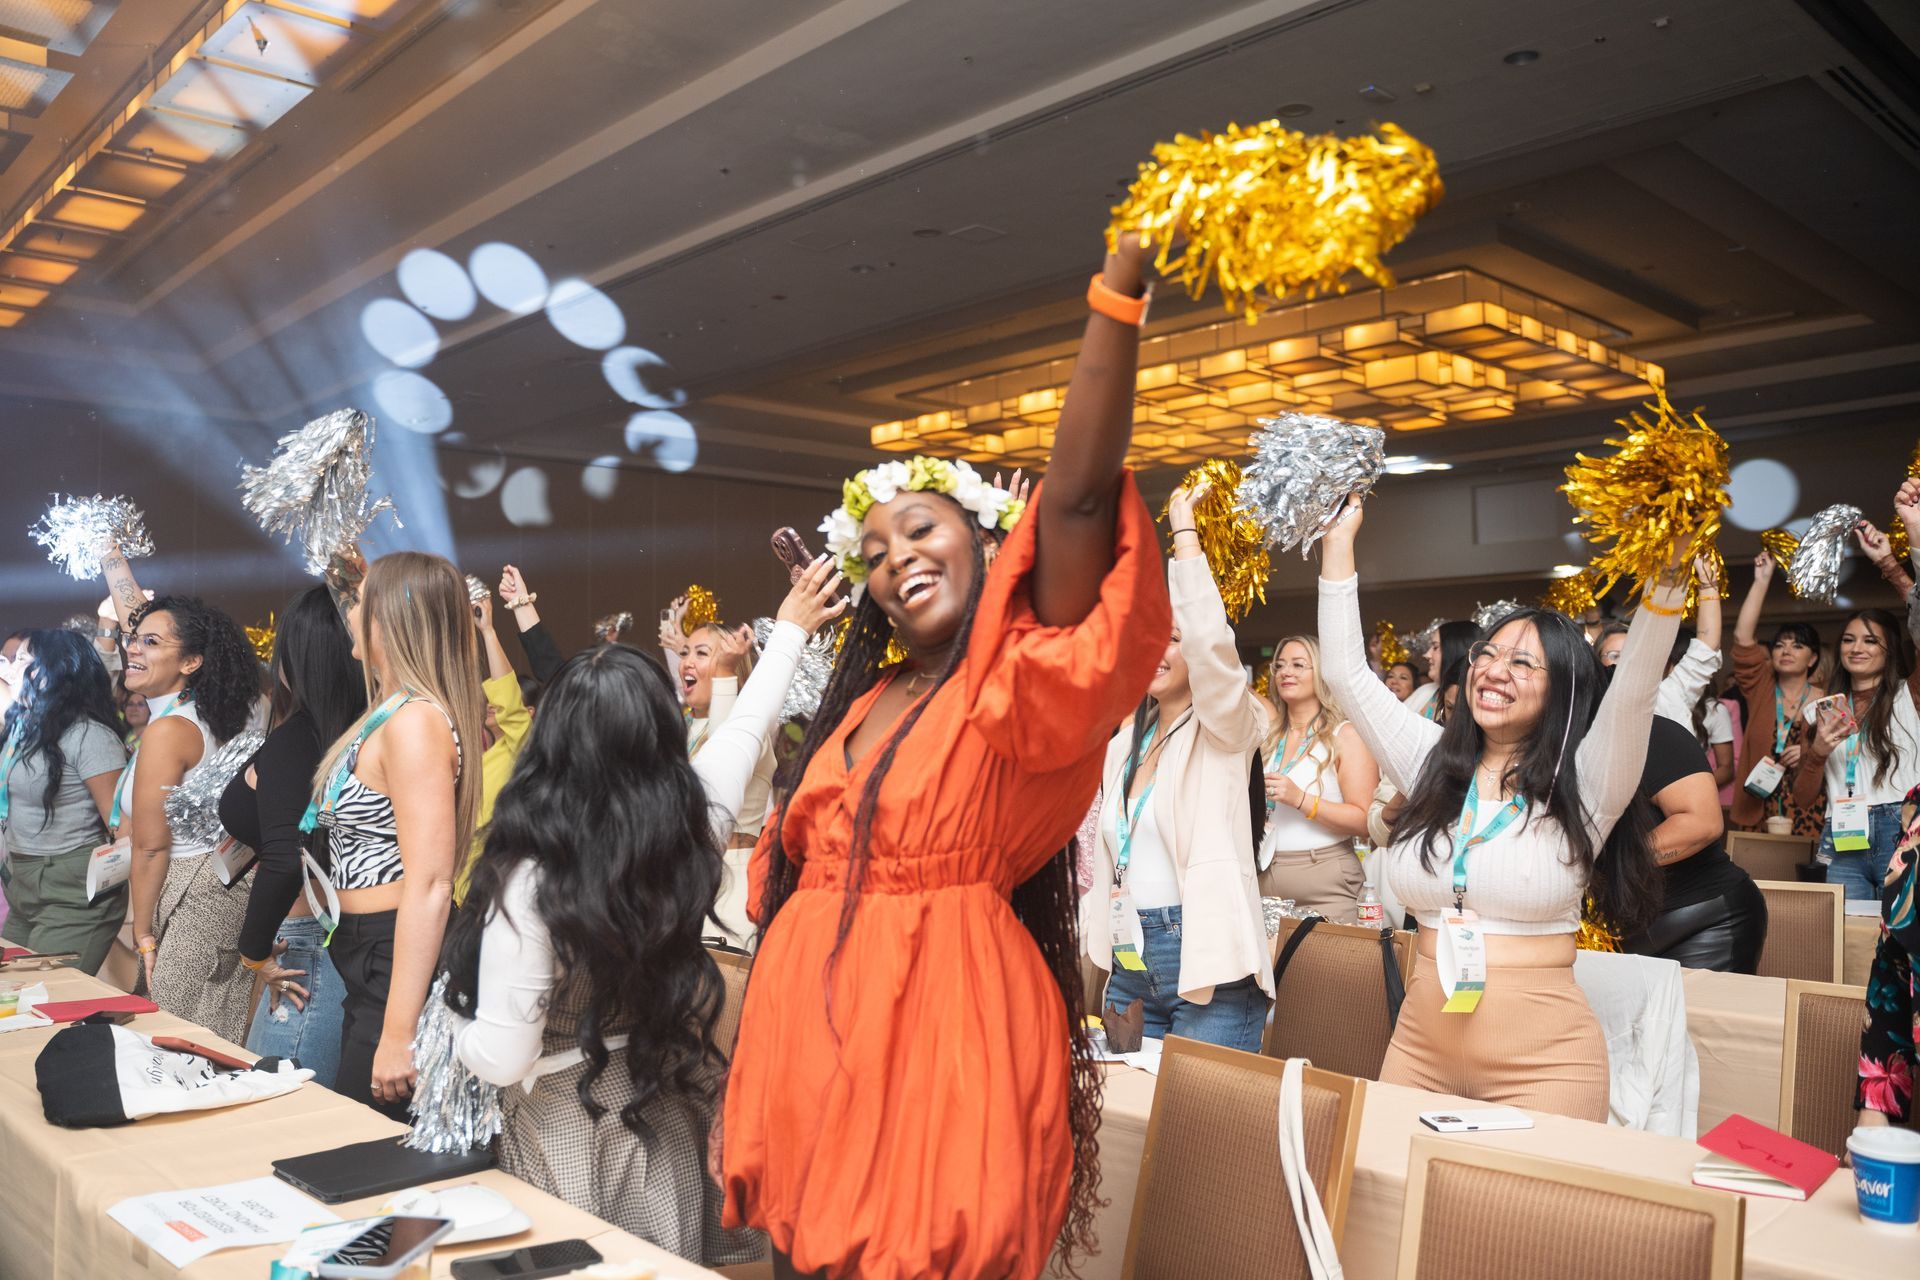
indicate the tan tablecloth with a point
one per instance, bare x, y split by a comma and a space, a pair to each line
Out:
1822, 1238
60, 1182
1736, 1021
1856, 949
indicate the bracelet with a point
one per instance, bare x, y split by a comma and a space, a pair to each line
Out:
524, 600
147, 950
1315, 815
1115, 305
1709, 595
257, 965
1177, 532
1658, 611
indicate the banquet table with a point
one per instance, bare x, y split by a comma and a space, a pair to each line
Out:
60, 1182
1784, 1240
1737, 1022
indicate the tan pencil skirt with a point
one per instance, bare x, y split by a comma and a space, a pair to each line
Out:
1327, 880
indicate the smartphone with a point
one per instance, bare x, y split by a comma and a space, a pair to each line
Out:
27, 960
217, 1058
1482, 1121
1833, 703
385, 1249
530, 1263
792, 550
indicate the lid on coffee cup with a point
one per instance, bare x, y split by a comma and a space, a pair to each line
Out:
1883, 1142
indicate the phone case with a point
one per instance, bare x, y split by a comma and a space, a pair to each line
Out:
792, 550
374, 1168
214, 1056
534, 1262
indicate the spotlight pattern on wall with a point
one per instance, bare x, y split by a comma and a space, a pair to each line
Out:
1452, 348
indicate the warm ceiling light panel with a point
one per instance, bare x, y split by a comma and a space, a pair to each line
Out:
20, 266
93, 211
301, 47
183, 139
22, 296
27, 89
132, 176
9, 317
228, 95
65, 26
61, 242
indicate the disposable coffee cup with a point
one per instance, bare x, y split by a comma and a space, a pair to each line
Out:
1886, 1174
1780, 825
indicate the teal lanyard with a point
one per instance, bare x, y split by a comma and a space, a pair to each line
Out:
1466, 842
1287, 763
1432, 710
164, 710
343, 770
7, 756
1853, 762
1131, 821
1782, 726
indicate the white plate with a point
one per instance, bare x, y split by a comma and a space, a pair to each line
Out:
478, 1213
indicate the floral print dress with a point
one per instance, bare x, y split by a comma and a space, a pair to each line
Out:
1887, 1064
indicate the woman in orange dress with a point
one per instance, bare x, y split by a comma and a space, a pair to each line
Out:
912, 1093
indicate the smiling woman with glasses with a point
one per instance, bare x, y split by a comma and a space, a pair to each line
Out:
1509, 808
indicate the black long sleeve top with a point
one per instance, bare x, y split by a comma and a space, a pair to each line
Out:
266, 818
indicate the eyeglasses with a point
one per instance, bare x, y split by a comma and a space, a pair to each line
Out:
149, 642
1522, 665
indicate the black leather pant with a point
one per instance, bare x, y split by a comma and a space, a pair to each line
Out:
1724, 933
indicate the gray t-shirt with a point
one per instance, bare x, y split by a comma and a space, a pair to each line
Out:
91, 749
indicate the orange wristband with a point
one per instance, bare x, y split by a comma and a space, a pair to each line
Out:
1115, 305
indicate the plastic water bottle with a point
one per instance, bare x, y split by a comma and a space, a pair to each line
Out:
1371, 914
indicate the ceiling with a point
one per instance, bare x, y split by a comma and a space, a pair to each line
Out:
793, 219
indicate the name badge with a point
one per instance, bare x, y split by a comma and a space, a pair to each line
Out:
1123, 926
1461, 958
1765, 778
231, 860
109, 866
1849, 819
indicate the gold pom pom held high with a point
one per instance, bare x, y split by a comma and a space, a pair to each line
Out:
1234, 542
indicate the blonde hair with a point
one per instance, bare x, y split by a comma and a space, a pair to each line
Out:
744, 667
421, 604
1323, 724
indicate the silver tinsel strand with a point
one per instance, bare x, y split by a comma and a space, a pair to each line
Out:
613, 626
73, 529
476, 590
453, 1109
1487, 614
1304, 467
193, 807
810, 675
315, 487
1420, 643
1815, 571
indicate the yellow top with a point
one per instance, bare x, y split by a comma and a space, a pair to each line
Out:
496, 766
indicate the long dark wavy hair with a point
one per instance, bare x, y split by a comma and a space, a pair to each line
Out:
1046, 904
605, 804
313, 668
1876, 720
227, 682
1455, 639
1573, 694
65, 684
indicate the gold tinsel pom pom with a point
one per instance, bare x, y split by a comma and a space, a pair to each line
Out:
262, 638
1263, 681
1780, 545
1234, 542
703, 609
1392, 648
1264, 208
1667, 480
1719, 562
1572, 595
1898, 540
1596, 932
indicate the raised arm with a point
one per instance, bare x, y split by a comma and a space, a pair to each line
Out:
1746, 625
121, 588
543, 656
1076, 505
497, 663
1224, 704
1399, 738
1880, 551
1615, 749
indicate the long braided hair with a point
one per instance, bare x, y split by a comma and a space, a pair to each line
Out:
1045, 903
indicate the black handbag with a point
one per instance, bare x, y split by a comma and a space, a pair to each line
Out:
1389, 965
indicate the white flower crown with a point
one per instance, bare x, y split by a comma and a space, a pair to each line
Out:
993, 506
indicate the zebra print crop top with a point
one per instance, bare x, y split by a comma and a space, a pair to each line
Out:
363, 839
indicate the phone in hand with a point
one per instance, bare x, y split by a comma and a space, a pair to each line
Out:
531, 1263
385, 1249
1834, 704
792, 550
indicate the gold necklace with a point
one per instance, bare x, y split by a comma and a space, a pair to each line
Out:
913, 683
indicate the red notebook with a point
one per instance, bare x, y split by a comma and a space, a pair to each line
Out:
1749, 1157
74, 1010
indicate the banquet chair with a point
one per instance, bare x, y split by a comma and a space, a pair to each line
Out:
733, 971
1490, 1213
1819, 1062
1212, 1202
1806, 931
1767, 856
1330, 1003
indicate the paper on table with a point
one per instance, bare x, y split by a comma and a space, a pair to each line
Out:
1146, 1058
184, 1226
1863, 906
26, 1017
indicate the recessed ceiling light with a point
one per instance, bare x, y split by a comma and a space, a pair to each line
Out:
1294, 110
926, 233
861, 269
1521, 57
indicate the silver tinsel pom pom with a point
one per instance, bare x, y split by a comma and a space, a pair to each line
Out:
477, 590
1303, 469
73, 529
810, 675
1815, 571
316, 486
613, 626
193, 807
453, 1109
1420, 643
1487, 614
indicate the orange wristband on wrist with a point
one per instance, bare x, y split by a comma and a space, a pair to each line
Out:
1115, 305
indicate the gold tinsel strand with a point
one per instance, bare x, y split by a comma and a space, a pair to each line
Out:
1263, 680
1712, 553
1780, 545
1392, 649
1898, 540
703, 609
262, 638
1234, 543
896, 652
1596, 932
1572, 595
1266, 209
1667, 479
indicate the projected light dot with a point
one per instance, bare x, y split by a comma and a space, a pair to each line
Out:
410, 401
399, 333
508, 278
600, 477
523, 498
480, 478
668, 435
1764, 493
436, 284
585, 316
626, 370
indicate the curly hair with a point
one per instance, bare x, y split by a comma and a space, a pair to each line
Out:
1046, 903
227, 682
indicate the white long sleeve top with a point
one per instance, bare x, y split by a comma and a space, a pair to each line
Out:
1522, 881
502, 1043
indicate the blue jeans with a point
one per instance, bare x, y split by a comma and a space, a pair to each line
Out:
1236, 1017
310, 1036
1863, 871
